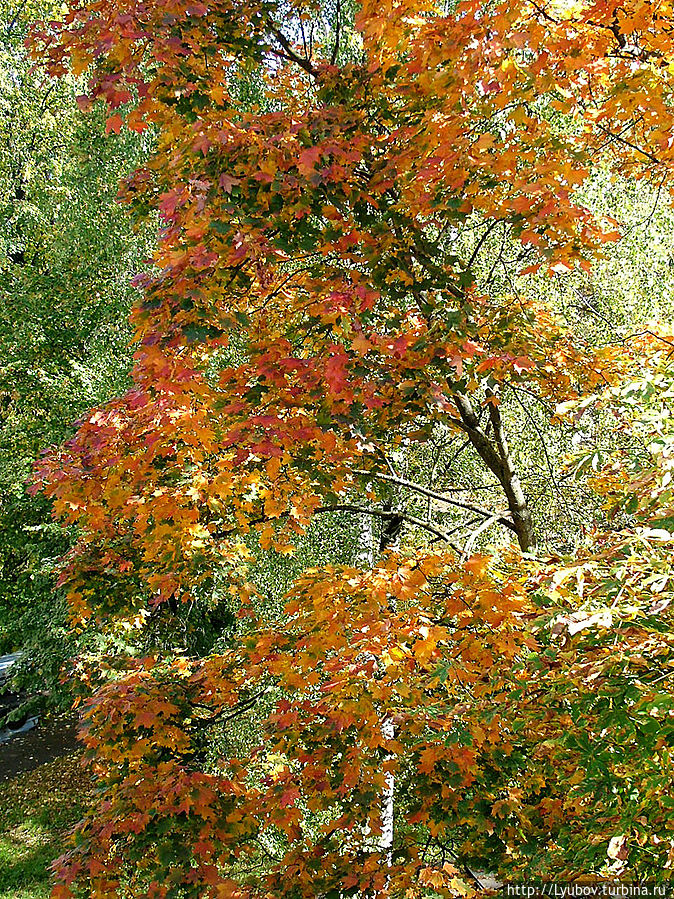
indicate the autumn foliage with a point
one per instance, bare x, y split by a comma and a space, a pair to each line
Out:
306, 316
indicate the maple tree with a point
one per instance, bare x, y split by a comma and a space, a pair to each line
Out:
307, 318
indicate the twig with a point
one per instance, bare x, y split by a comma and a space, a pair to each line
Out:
15, 18
628, 143
481, 241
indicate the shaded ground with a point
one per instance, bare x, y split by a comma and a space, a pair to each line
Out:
37, 809
27, 751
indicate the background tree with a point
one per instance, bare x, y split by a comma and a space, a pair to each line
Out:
67, 253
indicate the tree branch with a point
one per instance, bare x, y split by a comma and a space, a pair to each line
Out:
442, 497
628, 143
291, 55
481, 241
335, 49
476, 533
380, 513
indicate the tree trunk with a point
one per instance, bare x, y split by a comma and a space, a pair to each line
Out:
497, 458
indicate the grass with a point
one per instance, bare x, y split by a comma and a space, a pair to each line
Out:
36, 810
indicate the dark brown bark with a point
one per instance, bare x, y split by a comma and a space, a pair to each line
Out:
496, 456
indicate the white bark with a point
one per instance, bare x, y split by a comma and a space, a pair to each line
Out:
387, 809
365, 557
365, 550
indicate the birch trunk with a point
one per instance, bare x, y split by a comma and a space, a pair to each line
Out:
365, 558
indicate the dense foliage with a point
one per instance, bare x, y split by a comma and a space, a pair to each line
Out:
350, 318
67, 254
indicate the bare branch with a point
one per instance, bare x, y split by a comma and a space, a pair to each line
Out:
496, 457
476, 533
481, 241
629, 143
380, 513
335, 49
291, 55
503, 516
